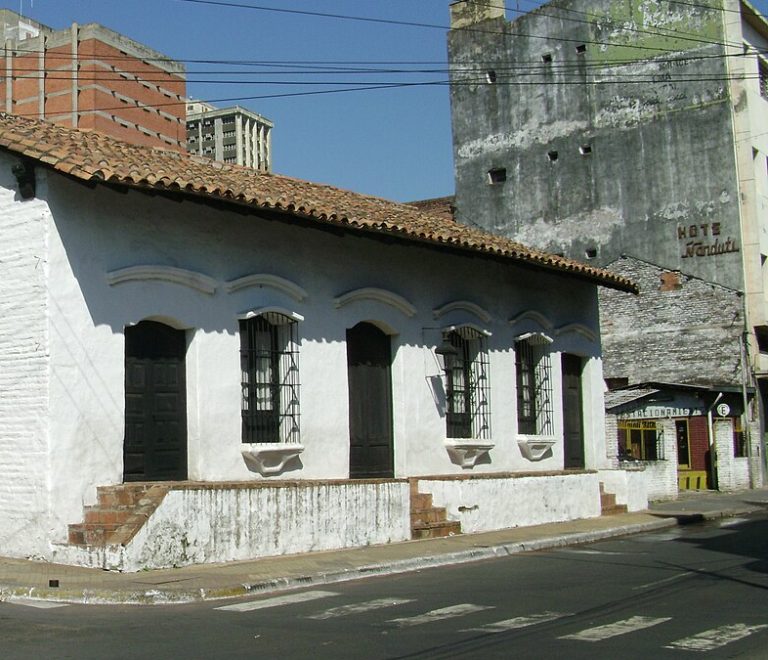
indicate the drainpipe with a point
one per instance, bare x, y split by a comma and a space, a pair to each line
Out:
712, 451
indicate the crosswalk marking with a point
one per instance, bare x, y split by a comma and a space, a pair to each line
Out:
715, 638
277, 601
614, 629
359, 608
518, 622
39, 604
438, 615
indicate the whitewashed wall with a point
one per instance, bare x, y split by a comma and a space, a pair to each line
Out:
732, 471
485, 503
218, 524
629, 485
94, 231
24, 363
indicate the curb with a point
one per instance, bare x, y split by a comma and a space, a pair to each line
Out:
160, 597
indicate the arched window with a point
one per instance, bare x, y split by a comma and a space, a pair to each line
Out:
468, 412
269, 359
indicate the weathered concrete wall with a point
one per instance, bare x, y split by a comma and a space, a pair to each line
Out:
678, 329
218, 524
621, 142
24, 364
485, 503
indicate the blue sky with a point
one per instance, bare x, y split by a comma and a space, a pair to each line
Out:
395, 143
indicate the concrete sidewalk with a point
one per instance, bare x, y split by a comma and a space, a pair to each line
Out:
39, 580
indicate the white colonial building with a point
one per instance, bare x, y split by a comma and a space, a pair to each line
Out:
199, 362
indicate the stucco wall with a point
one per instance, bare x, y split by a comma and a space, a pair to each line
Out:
658, 178
24, 378
485, 503
732, 471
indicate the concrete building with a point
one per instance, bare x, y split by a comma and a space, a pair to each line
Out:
200, 362
598, 129
90, 77
230, 135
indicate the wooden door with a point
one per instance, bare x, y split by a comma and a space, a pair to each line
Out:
573, 425
155, 445
369, 362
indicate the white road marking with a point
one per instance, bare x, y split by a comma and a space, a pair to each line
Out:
658, 582
615, 629
359, 608
518, 622
438, 615
277, 601
39, 604
715, 638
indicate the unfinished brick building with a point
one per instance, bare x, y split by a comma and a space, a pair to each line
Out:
90, 77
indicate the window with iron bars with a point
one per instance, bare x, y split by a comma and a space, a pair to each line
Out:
269, 359
468, 413
534, 387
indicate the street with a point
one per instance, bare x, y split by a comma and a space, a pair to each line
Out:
687, 591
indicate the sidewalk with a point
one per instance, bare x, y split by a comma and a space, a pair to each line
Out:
31, 579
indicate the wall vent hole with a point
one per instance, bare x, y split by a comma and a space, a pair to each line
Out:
552, 155
581, 49
546, 58
490, 76
497, 175
585, 149
591, 253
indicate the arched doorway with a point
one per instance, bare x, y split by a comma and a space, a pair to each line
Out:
369, 366
155, 443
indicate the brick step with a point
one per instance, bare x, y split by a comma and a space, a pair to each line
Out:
431, 515
97, 515
421, 501
607, 500
436, 529
119, 513
614, 510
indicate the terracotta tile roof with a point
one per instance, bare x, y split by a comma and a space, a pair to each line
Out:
94, 157
441, 206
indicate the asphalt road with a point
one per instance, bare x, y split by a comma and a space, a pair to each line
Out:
698, 591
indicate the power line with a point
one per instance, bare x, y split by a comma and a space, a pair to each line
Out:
385, 21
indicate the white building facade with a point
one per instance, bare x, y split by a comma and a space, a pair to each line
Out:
287, 380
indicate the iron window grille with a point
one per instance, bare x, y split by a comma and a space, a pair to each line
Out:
468, 413
762, 68
640, 440
533, 368
269, 359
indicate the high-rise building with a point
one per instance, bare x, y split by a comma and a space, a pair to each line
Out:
230, 135
90, 77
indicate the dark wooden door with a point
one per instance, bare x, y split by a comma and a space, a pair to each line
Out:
155, 445
369, 362
573, 426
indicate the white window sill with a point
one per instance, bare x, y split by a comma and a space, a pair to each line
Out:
269, 458
536, 447
467, 451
